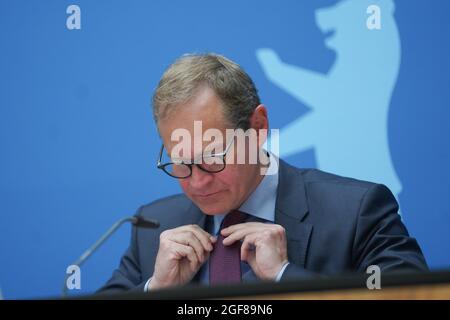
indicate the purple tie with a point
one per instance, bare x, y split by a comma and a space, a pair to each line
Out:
225, 261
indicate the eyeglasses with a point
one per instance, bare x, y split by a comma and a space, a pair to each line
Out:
180, 169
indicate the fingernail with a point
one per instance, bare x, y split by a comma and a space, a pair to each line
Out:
213, 239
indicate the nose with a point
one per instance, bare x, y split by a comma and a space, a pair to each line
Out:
199, 178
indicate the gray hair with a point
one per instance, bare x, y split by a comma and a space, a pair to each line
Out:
228, 80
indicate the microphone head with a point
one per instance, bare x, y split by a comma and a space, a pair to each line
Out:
143, 222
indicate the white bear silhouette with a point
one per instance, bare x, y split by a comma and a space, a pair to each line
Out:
347, 124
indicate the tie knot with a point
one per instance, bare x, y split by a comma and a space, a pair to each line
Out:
234, 217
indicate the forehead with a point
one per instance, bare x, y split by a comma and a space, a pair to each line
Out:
204, 111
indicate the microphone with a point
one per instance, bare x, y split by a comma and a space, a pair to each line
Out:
138, 221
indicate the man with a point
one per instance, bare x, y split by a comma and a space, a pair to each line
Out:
235, 222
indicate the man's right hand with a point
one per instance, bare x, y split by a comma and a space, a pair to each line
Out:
181, 253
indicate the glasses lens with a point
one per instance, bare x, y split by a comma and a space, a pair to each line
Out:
178, 170
213, 164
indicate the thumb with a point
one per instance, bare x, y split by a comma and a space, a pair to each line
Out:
248, 254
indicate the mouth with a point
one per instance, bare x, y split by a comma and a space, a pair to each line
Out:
206, 195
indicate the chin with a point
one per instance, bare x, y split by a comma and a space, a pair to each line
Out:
212, 208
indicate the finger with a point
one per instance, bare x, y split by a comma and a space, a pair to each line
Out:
240, 226
187, 252
241, 234
248, 249
204, 237
188, 238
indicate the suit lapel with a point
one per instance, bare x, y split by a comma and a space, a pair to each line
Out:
196, 216
193, 216
291, 209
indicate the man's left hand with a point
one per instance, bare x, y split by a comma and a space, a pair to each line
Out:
264, 246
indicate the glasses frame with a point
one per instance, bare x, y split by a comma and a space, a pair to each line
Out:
223, 154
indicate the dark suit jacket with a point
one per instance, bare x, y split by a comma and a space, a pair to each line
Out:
333, 225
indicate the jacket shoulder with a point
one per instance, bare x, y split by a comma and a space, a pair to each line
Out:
335, 191
164, 207
316, 176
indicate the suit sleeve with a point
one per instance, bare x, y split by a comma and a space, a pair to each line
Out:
294, 272
127, 278
381, 237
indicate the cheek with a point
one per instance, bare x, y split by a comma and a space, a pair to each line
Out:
230, 178
184, 184
222, 181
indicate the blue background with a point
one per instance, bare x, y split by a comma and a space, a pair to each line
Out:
78, 145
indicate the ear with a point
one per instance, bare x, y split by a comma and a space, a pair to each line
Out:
259, 121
